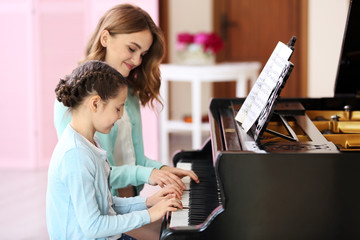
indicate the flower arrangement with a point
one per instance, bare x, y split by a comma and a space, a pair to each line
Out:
198, 48
209, 42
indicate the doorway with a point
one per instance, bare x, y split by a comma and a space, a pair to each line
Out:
252, 28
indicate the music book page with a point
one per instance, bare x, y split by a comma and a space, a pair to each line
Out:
264, 85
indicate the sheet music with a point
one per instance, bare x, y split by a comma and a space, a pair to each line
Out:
264, 115
264, 85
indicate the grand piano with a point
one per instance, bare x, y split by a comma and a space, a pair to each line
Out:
294, 177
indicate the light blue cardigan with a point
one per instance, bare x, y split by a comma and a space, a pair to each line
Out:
124, 175
77, 194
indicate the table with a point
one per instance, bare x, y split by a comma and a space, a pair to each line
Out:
196, 75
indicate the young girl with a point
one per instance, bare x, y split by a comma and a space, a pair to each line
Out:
128, 40
78, 202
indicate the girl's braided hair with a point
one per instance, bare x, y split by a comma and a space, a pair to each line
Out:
90, 77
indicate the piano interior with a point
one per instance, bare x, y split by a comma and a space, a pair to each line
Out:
341, 127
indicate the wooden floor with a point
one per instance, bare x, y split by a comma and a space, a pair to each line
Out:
22, 202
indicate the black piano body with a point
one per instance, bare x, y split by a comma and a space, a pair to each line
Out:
289, 194
283, 189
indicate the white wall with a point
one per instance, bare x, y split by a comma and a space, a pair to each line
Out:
326, 28
187, 16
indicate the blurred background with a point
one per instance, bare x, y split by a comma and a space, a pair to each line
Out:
42, 40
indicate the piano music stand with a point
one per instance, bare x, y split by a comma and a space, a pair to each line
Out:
260, 126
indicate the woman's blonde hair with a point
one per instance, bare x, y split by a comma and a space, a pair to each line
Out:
126, 19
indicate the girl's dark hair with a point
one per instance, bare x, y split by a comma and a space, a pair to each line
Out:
89, 78
126, 19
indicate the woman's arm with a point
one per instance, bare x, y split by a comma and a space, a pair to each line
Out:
123, 176
62, 117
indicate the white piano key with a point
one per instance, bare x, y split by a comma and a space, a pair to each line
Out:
184, 165
180, 218
185, 199
186, 180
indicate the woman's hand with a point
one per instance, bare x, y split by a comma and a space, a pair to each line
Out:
163, 194
164, 178
170, 176
181, 172
167, 204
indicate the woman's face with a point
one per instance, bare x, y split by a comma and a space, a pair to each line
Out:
124, 52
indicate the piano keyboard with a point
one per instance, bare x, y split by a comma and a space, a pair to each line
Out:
199, 199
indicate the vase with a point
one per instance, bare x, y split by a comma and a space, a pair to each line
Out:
195, 56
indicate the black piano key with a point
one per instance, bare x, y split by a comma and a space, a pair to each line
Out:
204, 196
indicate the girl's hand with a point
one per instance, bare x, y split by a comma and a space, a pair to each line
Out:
167, 204
163, 194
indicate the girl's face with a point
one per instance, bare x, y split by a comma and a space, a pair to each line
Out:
125, 52
109, 112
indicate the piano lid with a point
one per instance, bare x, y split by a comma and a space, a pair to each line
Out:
348, 74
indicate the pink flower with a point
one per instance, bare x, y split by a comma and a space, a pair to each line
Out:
200, 38
210, 42
185, 38
213, 43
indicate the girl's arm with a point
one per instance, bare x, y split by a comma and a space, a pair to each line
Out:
80, 174
130, 204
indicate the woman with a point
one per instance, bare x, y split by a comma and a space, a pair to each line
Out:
128, 40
